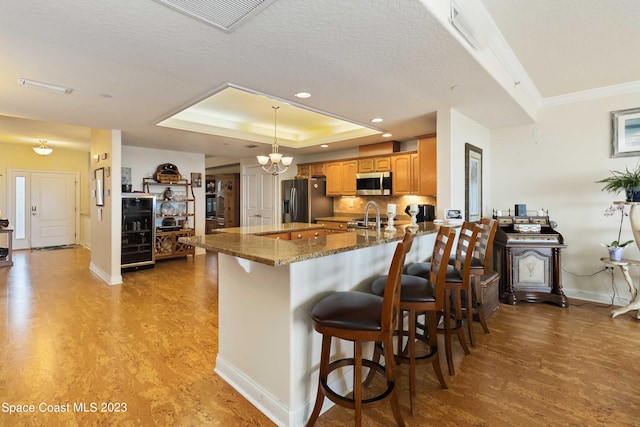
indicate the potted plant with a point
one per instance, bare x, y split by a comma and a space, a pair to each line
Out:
617, 247
627, 181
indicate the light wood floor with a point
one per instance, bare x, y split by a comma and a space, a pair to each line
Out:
151, 344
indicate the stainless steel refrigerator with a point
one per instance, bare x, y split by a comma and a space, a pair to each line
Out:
304, 200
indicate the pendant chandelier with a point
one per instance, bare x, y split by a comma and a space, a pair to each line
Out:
43, 150
275, 163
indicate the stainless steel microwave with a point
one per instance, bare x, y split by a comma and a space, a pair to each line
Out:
373, 184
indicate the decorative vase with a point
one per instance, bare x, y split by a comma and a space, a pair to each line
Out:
615, 253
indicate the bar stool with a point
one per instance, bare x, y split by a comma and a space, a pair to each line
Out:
457, 281
419, 296
482, 276
360, 317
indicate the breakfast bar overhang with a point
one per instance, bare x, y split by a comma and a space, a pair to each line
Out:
267, 348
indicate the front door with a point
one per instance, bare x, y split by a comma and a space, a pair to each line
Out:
43, 210
258, 196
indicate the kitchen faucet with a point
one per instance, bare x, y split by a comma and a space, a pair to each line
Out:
366, 215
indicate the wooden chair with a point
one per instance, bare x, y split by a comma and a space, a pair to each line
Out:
457, 284
360, 317
421, 296
481, 276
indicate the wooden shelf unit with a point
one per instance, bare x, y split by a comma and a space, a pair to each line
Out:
174, 217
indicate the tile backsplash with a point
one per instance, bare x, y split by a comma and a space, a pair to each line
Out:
356, 205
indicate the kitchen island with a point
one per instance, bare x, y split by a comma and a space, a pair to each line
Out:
267, 348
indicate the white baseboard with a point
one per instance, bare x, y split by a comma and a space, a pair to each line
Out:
110, 280
596, 297
268, 404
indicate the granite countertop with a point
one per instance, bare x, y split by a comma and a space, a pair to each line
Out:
344, 217
243, 242
268, 229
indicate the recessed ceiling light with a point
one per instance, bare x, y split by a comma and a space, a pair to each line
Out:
376, 120
302, 95
324, 146
386, 135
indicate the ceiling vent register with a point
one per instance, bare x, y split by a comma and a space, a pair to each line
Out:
226, 15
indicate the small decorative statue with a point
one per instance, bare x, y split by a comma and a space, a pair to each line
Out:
168, 194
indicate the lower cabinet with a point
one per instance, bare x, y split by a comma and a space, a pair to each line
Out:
168, 246
296, 235
335, 227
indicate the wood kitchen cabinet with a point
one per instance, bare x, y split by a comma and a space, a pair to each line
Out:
307, 234
296, 235
304, 170
401, 176
280, 236
311, 169
341, 178
317, 169
415, 173
374, 164
427, 153
335, 227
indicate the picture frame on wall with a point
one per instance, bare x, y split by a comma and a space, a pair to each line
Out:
625, 133
196, 179
473, 182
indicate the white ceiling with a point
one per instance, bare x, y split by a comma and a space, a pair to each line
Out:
360, 59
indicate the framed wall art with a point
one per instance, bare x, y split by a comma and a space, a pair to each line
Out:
473, 182
625, 133
196, 179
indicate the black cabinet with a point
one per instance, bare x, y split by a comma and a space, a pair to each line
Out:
138, 231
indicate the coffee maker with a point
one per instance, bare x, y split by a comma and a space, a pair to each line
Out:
425, 213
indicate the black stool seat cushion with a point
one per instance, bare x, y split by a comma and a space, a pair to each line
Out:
412, 288
349, 310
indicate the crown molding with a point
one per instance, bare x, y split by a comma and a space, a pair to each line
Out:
590, 94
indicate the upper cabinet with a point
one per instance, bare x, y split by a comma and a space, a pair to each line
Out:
401, 172
416, 173
318, 169
412, 173
341, 178
428, 160
374, 164
311, 169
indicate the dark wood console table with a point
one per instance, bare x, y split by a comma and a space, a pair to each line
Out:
529, 262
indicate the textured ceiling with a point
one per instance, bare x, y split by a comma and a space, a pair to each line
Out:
569, 46
359, 59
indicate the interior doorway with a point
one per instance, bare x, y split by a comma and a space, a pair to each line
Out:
258, 195
43, 208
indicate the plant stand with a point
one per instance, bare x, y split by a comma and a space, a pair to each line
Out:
634, 219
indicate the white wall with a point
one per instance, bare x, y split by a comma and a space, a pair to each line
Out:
454, 131
553, 165
105, 220
144, 161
